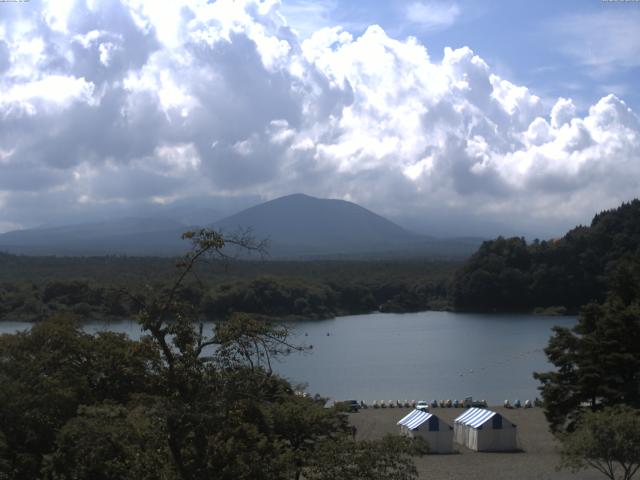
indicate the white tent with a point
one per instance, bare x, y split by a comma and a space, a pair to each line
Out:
484, 430
437, 433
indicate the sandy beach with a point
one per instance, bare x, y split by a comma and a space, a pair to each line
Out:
538, 458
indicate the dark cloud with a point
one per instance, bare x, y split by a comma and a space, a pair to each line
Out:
29, 177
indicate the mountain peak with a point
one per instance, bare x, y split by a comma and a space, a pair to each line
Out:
296, 196
317, 224
297, 225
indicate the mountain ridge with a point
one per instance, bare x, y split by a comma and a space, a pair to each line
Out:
298, 226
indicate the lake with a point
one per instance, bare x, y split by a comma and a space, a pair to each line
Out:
426, 355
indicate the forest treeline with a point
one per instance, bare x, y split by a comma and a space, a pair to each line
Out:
510, 274
505, 274
34, 289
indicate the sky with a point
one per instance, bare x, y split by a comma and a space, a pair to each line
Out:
450, 117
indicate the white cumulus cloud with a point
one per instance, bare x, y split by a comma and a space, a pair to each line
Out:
432, 15
125, 102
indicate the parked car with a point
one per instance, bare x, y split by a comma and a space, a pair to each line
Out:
422, 405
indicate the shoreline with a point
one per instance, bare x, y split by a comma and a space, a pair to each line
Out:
294, 318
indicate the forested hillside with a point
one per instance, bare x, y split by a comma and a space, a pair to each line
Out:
510, 274
35, 288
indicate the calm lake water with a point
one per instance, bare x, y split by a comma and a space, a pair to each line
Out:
426, 355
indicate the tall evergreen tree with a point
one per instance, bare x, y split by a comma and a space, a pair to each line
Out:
597, 361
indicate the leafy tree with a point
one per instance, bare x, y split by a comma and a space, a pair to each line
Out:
179, 404
109, 441
608, 441
305, 425
597, 361
48, 372
387, 459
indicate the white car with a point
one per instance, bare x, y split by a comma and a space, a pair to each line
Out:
422, 405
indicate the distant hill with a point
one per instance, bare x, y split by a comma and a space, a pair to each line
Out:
510, 274
300, 224
297, 226
130, 236
186, 215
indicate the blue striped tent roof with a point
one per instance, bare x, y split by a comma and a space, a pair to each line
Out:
415, 419
475, 417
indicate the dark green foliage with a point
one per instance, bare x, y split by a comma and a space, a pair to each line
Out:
303, 424
608, 441
96, 288
48, 372
109, 441
34, 302
69, 292
348, 460
304, 297
179, 404
76, 406
494, 277
274, 297
509, 274
597, 361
